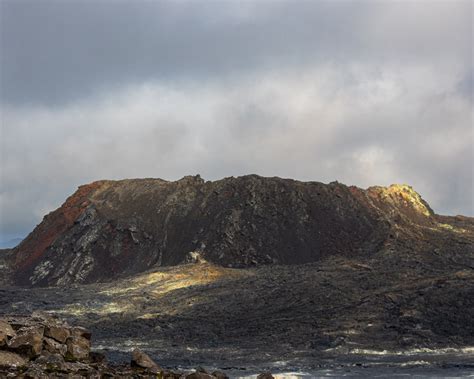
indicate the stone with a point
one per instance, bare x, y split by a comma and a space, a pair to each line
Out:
265, 375
79, 331
9, 359
51, 362
58, 332
53, 346
142, 360
171, 375
35, 372
220, 375
199, 375
96, 357
78, 348
6, 329
3, 339
28, 341
6, 332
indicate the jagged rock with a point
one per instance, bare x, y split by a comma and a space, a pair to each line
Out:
172, 375
78, 348
51, 362
220, 375
35, 372
8, 359
6, 332
79, 331
28, 341
96, 357
194, 257
52, 346
142, 360
56, 360
58, 332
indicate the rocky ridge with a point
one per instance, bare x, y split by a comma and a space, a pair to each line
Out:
114, 229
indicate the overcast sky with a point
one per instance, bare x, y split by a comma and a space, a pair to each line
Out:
366, 93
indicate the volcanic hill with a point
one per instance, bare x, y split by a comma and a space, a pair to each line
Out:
112, 229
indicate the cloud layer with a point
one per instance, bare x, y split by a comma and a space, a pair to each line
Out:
361, 92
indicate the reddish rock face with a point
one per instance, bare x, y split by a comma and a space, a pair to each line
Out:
110, 229
53, 226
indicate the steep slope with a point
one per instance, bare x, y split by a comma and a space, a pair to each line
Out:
109, 229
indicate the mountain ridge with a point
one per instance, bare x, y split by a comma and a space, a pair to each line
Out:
109, 229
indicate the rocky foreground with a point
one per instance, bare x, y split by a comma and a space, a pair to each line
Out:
340, 312
43, 346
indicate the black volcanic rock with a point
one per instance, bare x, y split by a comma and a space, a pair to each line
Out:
111, 229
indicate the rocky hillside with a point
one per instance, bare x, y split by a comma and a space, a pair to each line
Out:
110, 229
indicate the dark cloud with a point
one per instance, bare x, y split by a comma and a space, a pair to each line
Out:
59, 51
361, 92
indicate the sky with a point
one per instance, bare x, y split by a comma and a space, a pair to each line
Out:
362, 92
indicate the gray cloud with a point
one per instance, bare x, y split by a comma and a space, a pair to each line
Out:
361, 92
54, 52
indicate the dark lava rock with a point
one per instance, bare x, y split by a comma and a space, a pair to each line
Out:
109, 229
142, 360
78, 348
9, 359
200, 375
219, 375
26, 358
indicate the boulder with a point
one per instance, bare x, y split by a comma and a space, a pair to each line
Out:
171, 375
219, 375
79, 331
52, 346
265, 375
28, 341
142, 360
96, 357
59, 333
78, 348
6, 329
35, 372
6, 332
51, 362
9, 359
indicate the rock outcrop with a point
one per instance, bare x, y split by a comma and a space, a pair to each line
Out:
110, 229
43, 346
39, 345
